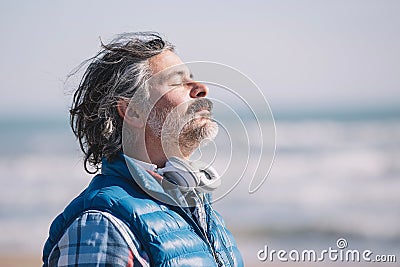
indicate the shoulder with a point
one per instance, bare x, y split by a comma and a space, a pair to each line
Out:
120, 196
97, 237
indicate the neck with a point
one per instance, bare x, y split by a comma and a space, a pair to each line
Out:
152, 150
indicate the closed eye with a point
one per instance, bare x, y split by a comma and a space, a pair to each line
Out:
176, 84
180, 83
179, 78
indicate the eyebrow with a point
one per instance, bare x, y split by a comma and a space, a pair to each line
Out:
178, 73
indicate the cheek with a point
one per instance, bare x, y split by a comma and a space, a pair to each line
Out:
173, 100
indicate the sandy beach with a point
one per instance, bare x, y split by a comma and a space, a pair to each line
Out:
14, 260
30, 260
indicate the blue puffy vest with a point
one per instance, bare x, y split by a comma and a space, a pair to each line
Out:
168, 234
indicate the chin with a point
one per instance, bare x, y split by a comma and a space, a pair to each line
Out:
211, 130
198, 131
201, 134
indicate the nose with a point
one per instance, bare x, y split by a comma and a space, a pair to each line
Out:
198, 90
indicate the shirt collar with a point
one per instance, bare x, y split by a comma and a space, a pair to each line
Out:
144, 165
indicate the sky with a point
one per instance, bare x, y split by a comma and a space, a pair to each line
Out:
302, 54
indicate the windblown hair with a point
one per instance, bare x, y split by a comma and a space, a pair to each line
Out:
118, 71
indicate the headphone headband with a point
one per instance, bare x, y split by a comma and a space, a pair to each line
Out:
190, 175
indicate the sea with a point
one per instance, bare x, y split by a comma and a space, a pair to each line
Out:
332, 176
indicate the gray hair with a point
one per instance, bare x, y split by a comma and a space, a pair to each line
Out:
118, 71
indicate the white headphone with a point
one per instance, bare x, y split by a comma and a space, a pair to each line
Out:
189, 175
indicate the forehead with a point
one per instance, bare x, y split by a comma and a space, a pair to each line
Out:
164, 61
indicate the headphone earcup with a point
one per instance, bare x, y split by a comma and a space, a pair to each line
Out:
180, 172
182, 179
209, 177
188, 175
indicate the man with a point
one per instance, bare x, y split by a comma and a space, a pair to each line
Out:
139, 115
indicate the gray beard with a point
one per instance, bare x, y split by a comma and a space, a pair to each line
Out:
186, 132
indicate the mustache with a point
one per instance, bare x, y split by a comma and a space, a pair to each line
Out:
198, 105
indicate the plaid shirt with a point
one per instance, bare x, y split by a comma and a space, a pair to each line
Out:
98, 239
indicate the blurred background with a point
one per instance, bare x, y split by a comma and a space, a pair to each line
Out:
329, 70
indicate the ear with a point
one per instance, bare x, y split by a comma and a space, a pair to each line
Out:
129, 114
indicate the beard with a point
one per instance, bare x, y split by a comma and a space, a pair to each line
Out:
187, 131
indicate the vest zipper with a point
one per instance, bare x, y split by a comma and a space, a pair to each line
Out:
196, 227
183, 213
225, 249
